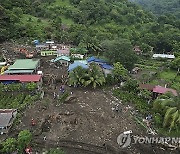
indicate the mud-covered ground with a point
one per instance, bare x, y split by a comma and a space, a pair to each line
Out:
87, 125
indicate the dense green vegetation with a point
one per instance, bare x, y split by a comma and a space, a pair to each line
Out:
82, 77
161, 6
167, 106
11, 145
16, 100
88, 23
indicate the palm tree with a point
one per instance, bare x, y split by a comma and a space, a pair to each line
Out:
76, 77
95, 77
169, 106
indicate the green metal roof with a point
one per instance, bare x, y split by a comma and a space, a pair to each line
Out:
24, 64
18, 71
62, 58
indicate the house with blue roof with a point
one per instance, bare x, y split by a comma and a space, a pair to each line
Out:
107, 69
82, 61
96, 60
75, 65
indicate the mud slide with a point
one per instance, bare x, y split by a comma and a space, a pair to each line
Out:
84, 147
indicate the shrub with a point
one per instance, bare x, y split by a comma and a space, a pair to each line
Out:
63, 97
110, 80
56, 151
158, 119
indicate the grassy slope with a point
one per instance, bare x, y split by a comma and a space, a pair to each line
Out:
64, 3
39, 26
34, 21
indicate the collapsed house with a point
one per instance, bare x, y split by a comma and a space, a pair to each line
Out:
7, 116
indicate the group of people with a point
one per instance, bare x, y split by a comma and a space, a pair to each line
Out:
61, 90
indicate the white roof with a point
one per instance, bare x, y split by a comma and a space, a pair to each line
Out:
49, 42
2, 63
54, 46
163, 56
41, 46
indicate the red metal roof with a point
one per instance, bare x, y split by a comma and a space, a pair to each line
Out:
163, 90
21, 78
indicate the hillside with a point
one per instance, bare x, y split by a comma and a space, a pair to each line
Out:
88, 23
161, 6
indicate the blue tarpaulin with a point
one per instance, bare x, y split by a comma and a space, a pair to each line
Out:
36, 42
8, 82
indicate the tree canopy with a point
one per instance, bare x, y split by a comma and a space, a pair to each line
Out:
120, 50
88, 23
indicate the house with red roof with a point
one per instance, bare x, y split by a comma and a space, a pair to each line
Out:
157, 89
8, 79
163, 90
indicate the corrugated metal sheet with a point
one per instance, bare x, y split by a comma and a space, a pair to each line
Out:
106, 66
163, 90
61, 58
81, 61
19, 71
21, 78
24, 64
75, 65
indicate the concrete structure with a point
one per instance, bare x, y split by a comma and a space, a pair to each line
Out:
7, 116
